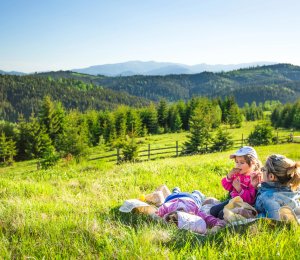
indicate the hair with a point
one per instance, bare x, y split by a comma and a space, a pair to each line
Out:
286, 170
252, 160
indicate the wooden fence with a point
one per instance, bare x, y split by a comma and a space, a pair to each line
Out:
175, 150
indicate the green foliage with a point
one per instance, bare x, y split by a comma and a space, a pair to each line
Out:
262, 135
7, 149
287, 116
24, 94
130, 150
75, 139
162, 114
33, 140
52, 118
222, 142
199, 133
49, 158
253, 112
149, 119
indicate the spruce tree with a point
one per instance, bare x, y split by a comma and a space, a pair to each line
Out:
222, 142
199, 136
162, 114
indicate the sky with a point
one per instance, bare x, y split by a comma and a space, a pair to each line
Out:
43, 35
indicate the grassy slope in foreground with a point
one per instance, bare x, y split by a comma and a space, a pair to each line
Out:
72, 211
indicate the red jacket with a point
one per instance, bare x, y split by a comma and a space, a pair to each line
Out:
248, 192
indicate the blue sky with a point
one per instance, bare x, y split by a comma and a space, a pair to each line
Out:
41, 35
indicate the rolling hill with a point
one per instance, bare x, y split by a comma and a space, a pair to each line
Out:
273, 82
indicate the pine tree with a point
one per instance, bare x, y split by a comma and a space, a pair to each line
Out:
199, 133
149, 119
162, 114
133, 123
4, 148
222, 142
52, 116
120, 122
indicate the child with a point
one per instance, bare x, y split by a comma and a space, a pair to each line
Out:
277, 197
237, 181
178, 204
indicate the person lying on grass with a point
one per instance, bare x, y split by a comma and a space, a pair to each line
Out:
237, 181
184, 209
278, 189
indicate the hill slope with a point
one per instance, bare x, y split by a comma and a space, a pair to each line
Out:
279, 82
23, 94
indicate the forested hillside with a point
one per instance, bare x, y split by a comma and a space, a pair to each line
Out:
24, 94
275, 82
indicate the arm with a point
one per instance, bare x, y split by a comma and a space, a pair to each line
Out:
227, 181
248, 194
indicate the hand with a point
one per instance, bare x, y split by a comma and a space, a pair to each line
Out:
255, 179
233, 172
237, 184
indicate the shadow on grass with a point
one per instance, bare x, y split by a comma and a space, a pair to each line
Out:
181, 238
133, 219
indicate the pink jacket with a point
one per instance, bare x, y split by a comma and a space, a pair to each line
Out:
189, 206
248, 192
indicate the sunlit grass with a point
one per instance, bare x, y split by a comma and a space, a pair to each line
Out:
71, 211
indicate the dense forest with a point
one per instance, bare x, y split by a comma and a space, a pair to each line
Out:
24, 94
275, 82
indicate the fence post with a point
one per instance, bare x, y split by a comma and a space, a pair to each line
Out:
148, 151
242, 140
118, 155
176, 148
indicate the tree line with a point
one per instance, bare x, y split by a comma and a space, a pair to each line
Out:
287, 116
53, 132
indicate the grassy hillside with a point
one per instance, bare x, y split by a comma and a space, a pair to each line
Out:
71, 211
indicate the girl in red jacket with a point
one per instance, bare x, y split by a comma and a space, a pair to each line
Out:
237, 181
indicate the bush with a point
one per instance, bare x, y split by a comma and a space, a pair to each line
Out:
130, 150
222, 142
262, 135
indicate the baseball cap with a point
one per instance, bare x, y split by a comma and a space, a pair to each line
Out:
244, 151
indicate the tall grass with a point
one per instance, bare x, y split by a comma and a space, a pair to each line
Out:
71, 211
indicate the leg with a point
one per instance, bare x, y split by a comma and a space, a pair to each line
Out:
217, 210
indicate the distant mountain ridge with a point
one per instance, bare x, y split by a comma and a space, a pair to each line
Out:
2, 72
274, 82
153, 68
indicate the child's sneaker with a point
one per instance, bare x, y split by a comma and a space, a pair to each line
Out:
176, 190
199, 194
287, 214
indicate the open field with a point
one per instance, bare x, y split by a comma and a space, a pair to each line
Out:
169, 140
71, 211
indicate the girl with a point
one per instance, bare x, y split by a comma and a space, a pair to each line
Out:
277, 197
184, 209
238, 181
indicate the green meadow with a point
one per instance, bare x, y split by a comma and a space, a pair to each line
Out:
72, 211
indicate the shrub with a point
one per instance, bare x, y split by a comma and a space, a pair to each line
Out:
262, 135
222, 142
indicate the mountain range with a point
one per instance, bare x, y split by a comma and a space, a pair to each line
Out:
131, 68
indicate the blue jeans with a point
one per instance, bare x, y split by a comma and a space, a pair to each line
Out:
217, 210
